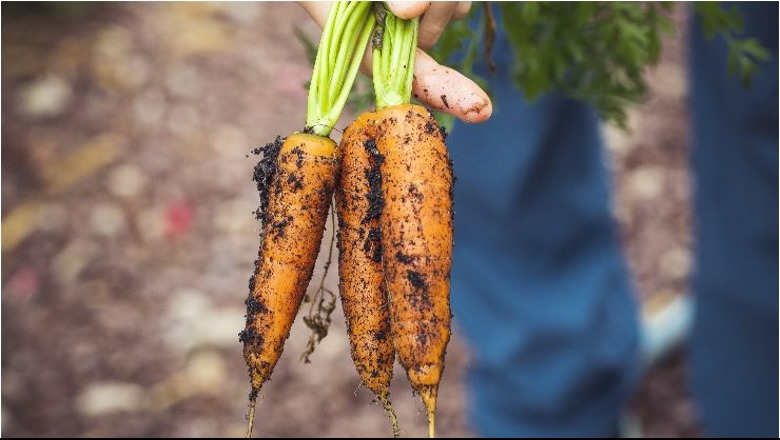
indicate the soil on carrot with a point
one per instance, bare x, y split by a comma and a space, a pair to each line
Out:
264, 173
135, 252
376, 201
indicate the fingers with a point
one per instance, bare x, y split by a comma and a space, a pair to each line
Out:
407, 10
317, 10
437, 86
447, 90
461, 10
433, 22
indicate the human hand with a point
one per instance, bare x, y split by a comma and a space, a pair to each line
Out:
440, 87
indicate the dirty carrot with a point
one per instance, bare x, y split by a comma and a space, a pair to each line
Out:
417, 216
417, 239
296, 179
361, 277
300, 174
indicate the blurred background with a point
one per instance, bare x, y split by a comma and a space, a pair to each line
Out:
128, 235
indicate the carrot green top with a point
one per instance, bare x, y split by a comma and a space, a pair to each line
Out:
341, 49
395, 44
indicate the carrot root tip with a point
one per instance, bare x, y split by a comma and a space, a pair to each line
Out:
250, 416
391, 414
429, 394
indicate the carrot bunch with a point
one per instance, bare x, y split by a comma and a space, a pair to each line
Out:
393, 183
396, 161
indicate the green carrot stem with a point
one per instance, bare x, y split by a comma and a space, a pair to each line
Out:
342, 44
351, 37
393, 62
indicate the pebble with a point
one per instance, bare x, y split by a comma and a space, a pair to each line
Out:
194, 29
244, 13
136, 71
207, 369
45, 97
127, 181
676, 264
114, 65
183, 120
646, 183
107, 219
101, 398
187, 304
671, 83
230, 141
149, 108
68, 264
198, 428
125, 73
113, 42
195, 322
184, 82
235, 217
151, 224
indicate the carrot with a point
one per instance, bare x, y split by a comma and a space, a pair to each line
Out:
361, 277
417, 234
417, 217
296, 179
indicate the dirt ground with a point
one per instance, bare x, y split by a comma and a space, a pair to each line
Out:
128, 236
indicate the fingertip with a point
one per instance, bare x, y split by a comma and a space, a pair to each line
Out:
447, 90
480, 111
408, 10
461, 10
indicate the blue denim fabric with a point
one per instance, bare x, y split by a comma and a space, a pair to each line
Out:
735, 163
539, 284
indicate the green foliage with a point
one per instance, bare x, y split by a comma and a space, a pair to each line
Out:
744, 54
593, 51
307, 43
361, 98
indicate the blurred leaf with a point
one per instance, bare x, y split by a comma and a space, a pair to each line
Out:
361, 97
307, 43
744, 54
596, 52
753, 48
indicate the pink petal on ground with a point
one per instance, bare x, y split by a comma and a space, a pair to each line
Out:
23, 285
179, 218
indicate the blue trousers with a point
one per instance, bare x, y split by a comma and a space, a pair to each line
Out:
540, 287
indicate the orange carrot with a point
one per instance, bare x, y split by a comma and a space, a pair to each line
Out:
417, 239
361, 277
296, 180
417, 217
